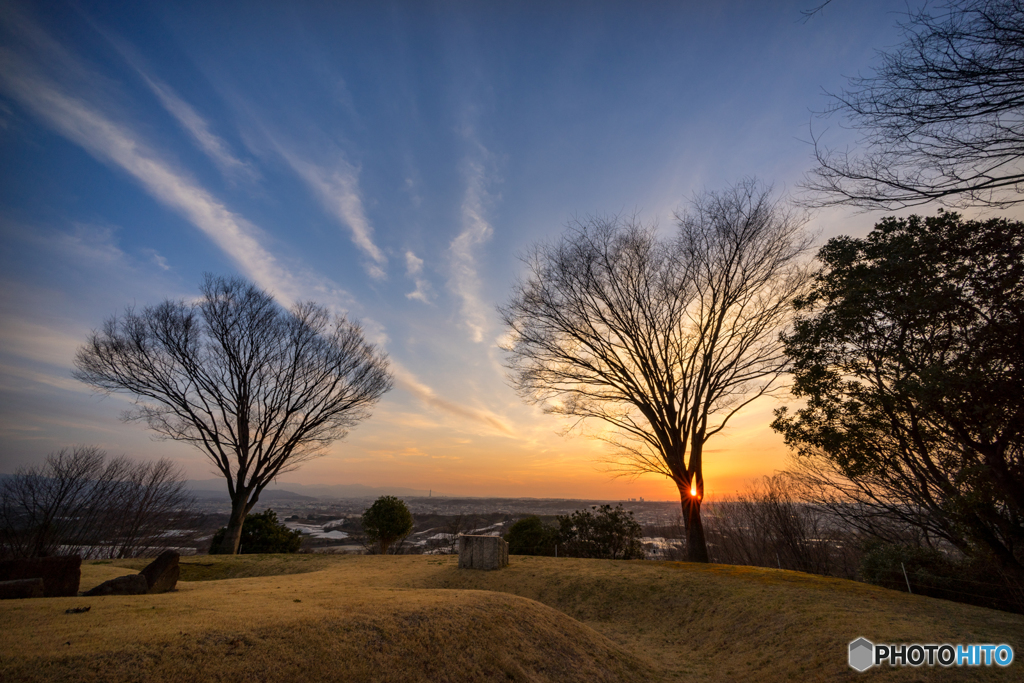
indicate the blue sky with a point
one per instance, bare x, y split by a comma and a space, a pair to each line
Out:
389, 160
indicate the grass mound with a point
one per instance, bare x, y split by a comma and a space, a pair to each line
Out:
217, 567
306, 627
417, 618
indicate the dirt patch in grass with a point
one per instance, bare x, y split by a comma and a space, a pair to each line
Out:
421, 618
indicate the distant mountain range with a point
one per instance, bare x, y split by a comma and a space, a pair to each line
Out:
217, 488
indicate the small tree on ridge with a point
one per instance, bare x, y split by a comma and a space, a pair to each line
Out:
386, 521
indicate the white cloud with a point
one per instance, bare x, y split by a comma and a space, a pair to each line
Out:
413, 264
215, 147
476, 230
197, 127
413, 269
408, 381
118, 145
338, 191
65, 94
157, 259
92, 243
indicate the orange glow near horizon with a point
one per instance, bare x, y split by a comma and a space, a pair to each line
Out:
421, 450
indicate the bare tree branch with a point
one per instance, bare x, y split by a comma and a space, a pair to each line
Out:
78, 502
257, 389
663, 341
940, 120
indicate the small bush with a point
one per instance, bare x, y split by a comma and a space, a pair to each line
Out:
386, 521
606, 533
530, 536
261, 533
975, 581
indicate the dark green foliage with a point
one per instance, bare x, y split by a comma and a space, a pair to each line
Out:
607, 533
530, 536
386, 521
261, 533
910, 360
936, 574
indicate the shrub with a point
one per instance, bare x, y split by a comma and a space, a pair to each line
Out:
261, 533
975, 581
386, 521
530, 536
606, 533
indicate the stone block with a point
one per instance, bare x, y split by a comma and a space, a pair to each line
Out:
162, 573
482, 552
21, 588
132, 584
60, 575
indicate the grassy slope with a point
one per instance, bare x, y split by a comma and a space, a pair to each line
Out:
420, 618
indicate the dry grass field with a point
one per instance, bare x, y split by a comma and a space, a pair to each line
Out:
419, 618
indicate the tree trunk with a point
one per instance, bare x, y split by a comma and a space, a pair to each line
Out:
691, 493
240, 507
696, 546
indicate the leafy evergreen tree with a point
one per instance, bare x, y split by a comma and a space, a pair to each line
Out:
530, 536
261, 533
386, 521
908, 356
607, 533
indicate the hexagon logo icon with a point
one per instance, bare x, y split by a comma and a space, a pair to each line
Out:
862, 654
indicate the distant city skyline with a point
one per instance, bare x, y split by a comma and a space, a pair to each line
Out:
389, 160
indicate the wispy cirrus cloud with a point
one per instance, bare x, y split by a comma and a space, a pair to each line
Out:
33, 78
337, 189
199, 130
118, 144
408, 381
197, 127
476, 231
414, 271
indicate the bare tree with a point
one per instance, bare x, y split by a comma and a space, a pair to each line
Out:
942, 118
867, 505
662, 341
148, 507
446, 539
259, 390
80, 502
769, 525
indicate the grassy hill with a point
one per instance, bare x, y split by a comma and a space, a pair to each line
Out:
419, 618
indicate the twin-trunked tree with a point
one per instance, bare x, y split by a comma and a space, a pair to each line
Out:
257, 388
664, 340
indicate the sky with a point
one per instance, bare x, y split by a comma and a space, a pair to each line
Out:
392, 161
